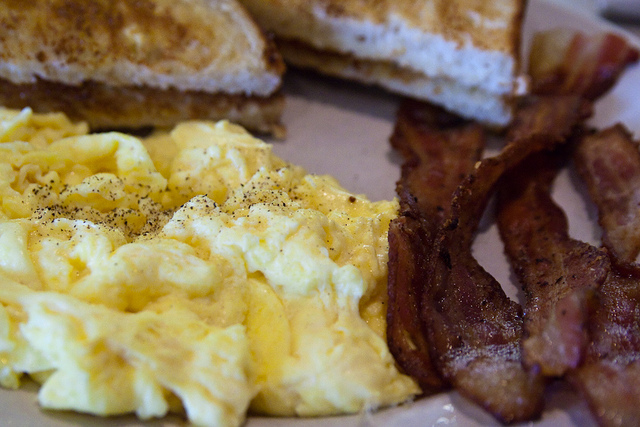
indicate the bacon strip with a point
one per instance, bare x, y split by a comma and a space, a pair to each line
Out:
558, 274
439, 151
567, 62
609, 163
472, 331
610, 377
474, 328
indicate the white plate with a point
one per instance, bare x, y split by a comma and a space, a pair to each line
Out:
342, 129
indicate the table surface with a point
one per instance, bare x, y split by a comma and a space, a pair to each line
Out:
596, 7
635, 28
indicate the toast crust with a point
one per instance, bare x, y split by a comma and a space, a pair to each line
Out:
108, 107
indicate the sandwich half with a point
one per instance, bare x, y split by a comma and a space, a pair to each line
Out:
460, 54
120, 63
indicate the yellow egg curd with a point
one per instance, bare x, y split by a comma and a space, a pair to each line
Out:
190, 271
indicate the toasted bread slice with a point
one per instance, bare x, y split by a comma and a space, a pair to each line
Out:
474, 102
133, 48
473, 44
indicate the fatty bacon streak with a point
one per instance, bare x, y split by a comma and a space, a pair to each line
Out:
558, 274
568, 62
439, 150
609, 378
473, 328
609, 163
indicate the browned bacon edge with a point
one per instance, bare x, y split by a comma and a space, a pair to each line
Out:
439, 150
610, 377
558, 274
567, 62
609, 163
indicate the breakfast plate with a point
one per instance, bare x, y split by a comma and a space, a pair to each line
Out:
342, 129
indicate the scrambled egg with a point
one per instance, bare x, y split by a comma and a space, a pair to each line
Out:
191, 271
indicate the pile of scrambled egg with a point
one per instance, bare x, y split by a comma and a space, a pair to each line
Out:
191, 271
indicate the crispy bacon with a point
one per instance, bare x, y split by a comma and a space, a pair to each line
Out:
558, 274
473, 327
408, 266
439, 150
565, 62
568, 62
609, 163
470, 333
610, 378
